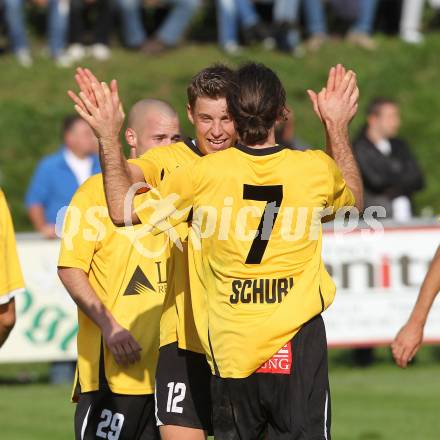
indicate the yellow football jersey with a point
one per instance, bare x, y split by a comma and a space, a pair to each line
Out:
177, 323
11, 278
255, 245
128, 273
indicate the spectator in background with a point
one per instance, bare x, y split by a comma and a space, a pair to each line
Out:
133, 31
234, 13
57, 27
100, 32
58, 176
390, 173
173, 28
169, 33
360, 32
411, 20
11, 279
286, 26
15, 23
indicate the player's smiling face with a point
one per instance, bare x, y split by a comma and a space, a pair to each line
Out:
214, 128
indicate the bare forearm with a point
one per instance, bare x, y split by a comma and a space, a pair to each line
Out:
117, 178
7, 320
36, 215
339, 148
4, 334
77, 284
428, 292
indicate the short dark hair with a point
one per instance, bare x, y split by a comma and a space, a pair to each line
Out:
68, 122
255, 102
212, 82
377, 103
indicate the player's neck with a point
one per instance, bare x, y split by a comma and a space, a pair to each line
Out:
269, 142
374, 135
76, 154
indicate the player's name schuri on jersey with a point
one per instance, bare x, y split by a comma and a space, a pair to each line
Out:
260, 291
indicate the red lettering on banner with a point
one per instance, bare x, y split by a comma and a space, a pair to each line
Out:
385, 272
280, 362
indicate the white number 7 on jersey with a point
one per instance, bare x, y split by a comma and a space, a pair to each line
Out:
273, 195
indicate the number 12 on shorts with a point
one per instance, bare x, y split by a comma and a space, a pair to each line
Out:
176, 394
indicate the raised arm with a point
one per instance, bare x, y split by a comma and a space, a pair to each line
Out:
101, 107
410, 337
336, 105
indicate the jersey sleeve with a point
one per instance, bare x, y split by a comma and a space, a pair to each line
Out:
339, 194
170, 204
151, 165
82, 228
11, 278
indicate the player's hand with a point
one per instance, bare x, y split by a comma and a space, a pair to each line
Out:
407, 343
335, 76
49, 232
122, 344
337, 103
98, 104
84, 79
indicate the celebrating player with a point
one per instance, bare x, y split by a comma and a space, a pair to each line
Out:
409, 339
11, 279
119, 292
183, 376
233, 288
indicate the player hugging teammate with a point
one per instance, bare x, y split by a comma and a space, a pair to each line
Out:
242, 296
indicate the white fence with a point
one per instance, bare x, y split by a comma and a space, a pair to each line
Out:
377, 274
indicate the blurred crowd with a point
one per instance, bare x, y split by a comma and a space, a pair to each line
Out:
77, 28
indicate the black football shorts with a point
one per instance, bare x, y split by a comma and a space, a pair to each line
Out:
288, 406
103, 414
183, 393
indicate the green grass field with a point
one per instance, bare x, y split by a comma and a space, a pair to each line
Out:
34, 101
376, 403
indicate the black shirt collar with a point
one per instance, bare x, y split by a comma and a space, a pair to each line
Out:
260, 151
193, 146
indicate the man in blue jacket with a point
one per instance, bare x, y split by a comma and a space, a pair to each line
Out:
58, 175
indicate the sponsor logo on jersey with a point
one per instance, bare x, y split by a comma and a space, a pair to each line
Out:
280, 362
138, 284
260, 291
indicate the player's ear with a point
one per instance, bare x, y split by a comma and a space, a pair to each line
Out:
130, 137
189, 112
